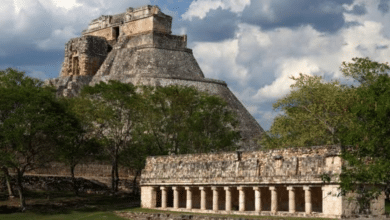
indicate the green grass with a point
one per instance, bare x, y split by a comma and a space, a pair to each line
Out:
71, 216
387, 206
65, 205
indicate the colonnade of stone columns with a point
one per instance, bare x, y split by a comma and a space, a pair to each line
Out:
228, 198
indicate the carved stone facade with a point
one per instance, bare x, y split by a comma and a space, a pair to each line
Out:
84, 56
284, 182
137, 47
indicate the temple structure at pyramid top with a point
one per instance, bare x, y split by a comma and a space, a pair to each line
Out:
137, 47
132, 22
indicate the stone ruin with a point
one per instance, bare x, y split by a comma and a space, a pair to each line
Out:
137, 47
280, 182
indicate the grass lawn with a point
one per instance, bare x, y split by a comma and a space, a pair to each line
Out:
109, 215
65, 205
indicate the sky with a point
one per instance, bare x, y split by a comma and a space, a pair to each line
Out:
253, 45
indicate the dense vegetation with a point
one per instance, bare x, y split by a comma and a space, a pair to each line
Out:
110, 121
356, 117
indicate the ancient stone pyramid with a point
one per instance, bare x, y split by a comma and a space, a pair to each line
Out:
137, 47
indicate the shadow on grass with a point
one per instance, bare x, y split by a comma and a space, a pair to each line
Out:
54, 203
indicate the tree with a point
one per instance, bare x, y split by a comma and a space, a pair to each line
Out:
314, 112
363, 70
319, 113
7, 178
181, 120
31, 120
117, 114
368, 170
80, 143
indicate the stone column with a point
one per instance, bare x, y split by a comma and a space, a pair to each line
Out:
202, 198
175, 197
228, 198
291, 199
241, 202
215, 198
153, 197
274, 199
163, 197
257, 198
308, 205
189, 197
324, 195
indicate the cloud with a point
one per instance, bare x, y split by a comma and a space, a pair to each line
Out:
358, 10
217, 26
323, 15
257, 62
38, 74
57, 38
200, 8
218, 61
383, 6
33, 31
281, 86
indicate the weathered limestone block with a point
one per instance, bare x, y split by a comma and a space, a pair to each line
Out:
148, 197
331, 202
261, 167
84, 55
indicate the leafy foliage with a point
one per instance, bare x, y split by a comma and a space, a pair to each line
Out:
368, 158
320, 113
314, 112
31, 122
116, 114
183, 120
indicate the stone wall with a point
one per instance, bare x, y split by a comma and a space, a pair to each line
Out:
134, 21
105, 33
92, 169
350, 205
138, 26
93, 172
155, 39
84, 56
290, 165
64, 183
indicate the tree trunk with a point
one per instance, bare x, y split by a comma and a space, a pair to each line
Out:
21, 190
135, 186
8, 182
113, 175
75, 186
116, 177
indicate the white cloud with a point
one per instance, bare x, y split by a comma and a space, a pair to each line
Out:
48, 24
57, 38
218, 60
281, 86
200, 8
266, 118
259, 62
38, 74
67, 4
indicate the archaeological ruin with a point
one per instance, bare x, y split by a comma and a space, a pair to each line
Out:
137, 47
281, 182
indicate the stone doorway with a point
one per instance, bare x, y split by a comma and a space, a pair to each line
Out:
76, 67
115, 33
